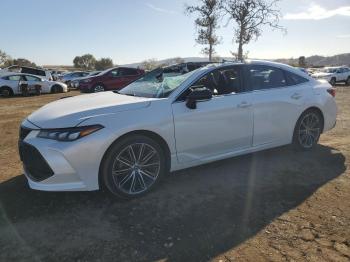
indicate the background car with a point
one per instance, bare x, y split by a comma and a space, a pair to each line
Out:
125, 141
42, 73
110, 79
56, 74
18, 83
334, 75
67, 78
75, 83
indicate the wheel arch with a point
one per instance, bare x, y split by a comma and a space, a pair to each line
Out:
313, 108
59, 88
151, 134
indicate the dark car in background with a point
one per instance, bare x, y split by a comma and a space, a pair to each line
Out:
69, 77
110, 79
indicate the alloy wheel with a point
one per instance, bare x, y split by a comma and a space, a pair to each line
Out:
309, 130
136, 168
99, 88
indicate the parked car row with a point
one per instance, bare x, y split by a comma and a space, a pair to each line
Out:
334, 75
119, 77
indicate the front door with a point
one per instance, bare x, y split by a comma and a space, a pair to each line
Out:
223, 124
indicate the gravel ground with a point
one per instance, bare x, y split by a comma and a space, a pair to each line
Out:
275, 205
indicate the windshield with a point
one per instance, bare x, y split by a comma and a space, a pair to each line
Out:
329, 70
156, 83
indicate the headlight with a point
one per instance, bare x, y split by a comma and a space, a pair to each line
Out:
68, 134
87, 81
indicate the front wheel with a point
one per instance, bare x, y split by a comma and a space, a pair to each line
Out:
98, 88
308, 130
333, 81
133, 166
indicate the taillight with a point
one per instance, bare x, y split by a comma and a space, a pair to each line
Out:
331, 91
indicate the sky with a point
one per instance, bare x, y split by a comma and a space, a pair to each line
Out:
50, 32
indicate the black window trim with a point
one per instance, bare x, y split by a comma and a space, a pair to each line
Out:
179, 98
284, 71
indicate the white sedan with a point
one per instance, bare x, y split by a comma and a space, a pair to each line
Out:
127, 140
14, 83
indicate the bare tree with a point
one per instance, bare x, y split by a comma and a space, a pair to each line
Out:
149, 64
249, 17
207, 24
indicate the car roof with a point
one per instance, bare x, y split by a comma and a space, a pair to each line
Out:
19, 74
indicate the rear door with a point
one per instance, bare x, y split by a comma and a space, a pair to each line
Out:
277, 98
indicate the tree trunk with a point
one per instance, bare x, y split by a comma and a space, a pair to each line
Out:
240, 51
240, 44
210, 52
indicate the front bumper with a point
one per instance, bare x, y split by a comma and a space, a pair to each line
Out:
85, 87
51, 165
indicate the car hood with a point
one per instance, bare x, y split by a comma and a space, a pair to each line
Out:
320, 74
71, 111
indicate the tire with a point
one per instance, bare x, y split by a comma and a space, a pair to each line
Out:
333, 81
348, 81
6, 91
56, 89
98, 88
133, 166
307, 130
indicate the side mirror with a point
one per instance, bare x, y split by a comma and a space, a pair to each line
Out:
198, 94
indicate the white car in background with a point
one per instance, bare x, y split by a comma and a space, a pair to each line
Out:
42, 73
127, 140
334, 75
12, 84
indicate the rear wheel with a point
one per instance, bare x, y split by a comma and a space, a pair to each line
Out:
308, 130
348, 81
133, 166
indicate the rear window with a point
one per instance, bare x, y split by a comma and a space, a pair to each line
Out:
12, 78
128, 71
294, 79
33, 71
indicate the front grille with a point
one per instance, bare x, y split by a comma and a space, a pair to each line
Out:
35, 165
23, 132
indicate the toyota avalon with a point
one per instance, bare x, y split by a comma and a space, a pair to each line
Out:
125, 141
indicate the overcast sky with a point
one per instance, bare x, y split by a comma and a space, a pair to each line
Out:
54, 32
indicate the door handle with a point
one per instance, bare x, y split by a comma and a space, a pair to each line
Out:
296, 96
244, 105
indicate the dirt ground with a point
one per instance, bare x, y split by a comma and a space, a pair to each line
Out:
275, 205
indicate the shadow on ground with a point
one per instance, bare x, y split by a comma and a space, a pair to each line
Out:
194, 215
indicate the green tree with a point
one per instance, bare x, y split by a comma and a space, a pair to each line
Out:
103, 63
149, 64
23, 62
86, 61
4, 59
206, 23
302, 61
